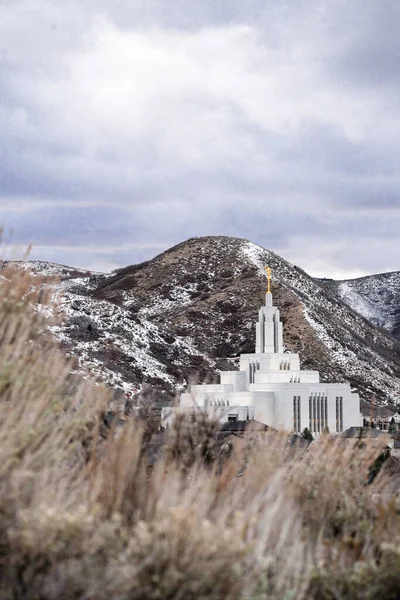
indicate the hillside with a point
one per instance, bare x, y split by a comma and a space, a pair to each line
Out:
375, 297
190, 311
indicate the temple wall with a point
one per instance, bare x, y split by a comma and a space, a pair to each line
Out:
285, 377
323, 411
241, 412
200, 394
274, 362
237, 379
264, 408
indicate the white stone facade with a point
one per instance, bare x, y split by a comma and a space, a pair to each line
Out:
270, 387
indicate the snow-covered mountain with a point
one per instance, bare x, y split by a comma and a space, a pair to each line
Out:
375, 297
190, 311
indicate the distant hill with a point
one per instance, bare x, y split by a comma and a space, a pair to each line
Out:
375, 297
190, 311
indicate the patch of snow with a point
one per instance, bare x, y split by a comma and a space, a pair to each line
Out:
256, 255
360, 304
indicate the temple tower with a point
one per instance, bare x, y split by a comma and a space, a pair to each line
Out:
269, 333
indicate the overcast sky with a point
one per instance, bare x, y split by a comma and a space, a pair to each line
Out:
130, 125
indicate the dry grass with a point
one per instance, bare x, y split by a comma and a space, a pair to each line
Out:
84, 517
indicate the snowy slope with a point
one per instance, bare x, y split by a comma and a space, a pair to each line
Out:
112, 343
375, 297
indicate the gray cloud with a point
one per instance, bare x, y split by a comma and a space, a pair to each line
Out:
368, 48
129, 126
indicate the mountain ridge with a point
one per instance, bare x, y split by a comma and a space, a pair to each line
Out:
190, 311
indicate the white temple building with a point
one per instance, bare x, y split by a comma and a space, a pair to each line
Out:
270, 387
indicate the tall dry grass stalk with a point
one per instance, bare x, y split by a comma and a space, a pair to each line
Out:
83, 515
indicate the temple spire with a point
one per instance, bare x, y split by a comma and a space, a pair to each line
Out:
269, 338
268, 270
